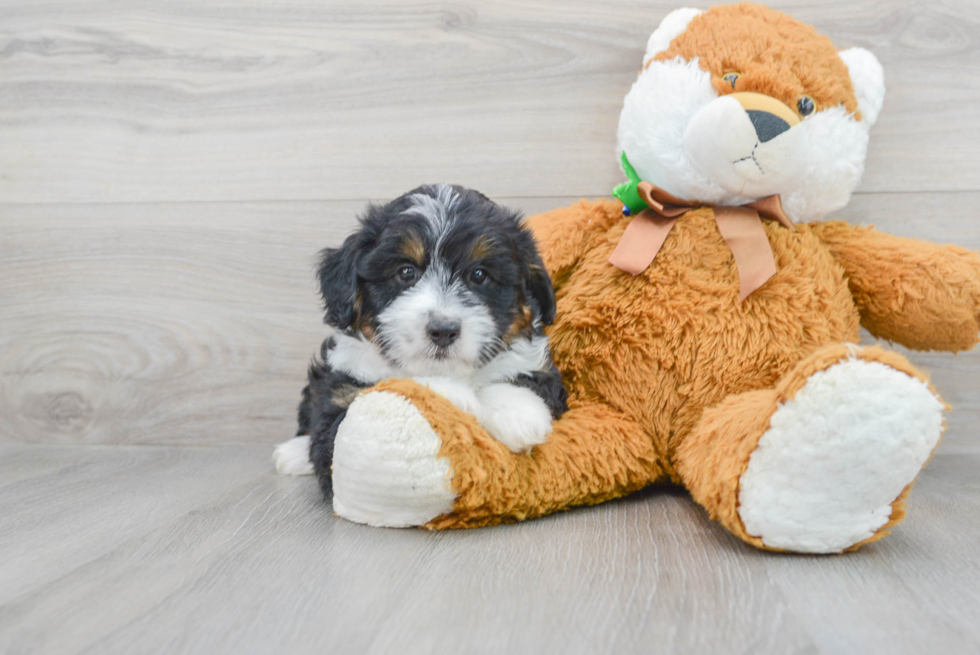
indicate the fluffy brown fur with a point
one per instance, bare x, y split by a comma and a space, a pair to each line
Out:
919, 294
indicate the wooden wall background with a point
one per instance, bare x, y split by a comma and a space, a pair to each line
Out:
168, 168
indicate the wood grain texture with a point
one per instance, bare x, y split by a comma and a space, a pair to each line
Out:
205, 550
188, 101
193, 323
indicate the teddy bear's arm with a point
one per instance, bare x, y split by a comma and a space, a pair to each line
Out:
565, 234
922, 295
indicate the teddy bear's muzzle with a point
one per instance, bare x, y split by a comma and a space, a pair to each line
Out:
750, 144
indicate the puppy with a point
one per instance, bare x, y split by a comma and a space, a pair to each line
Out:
444, 286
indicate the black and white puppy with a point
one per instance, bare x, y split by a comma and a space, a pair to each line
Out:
444, 286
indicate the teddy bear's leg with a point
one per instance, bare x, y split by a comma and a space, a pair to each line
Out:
822, 462
405, 456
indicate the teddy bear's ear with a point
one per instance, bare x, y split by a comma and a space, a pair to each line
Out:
670, 27
868, 79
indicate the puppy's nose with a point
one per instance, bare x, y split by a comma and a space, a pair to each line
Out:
442, 332
767, 126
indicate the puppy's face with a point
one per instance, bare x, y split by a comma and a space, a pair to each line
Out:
440, 278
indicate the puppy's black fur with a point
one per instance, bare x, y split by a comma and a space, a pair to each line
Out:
324, 405
367, 273
548, 385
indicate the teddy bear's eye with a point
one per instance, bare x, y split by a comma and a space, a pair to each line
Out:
806, 105
731, 78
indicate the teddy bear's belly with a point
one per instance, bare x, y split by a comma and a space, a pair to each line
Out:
673, 340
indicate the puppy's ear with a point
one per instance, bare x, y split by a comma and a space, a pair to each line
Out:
537, 281
337, 274
337, 271
543, 291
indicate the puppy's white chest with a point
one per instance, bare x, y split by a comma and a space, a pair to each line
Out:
513, 415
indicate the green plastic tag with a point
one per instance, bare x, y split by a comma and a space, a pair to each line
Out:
626, 191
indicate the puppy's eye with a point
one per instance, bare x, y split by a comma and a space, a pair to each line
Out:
806, 105
479, 276
731, 78
408, 274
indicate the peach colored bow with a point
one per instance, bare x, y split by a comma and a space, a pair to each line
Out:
741, 227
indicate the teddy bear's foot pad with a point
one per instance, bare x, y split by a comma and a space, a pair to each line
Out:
825, 474
386, 466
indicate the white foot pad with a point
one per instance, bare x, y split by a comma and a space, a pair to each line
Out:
837, 455
293, 457
386, 466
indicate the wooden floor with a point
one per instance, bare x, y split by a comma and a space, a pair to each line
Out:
146, 549
168, 169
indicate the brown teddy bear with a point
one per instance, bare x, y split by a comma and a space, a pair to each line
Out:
706, 328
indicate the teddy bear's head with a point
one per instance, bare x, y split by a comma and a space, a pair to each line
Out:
740, 102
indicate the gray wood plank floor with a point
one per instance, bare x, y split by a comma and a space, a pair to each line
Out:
169, 168
205, 550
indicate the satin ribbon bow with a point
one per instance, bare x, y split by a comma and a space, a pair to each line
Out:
741, 227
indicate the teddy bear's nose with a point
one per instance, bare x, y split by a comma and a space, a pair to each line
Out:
769, 116
767, 126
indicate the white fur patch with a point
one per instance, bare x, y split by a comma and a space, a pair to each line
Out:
458, 392
293, 457
436, 210
835, 164
514, 416
656, 112
359, 358
672, 26
868, 78
835, 457
386, 465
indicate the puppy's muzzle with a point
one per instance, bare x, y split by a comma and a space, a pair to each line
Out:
443, 332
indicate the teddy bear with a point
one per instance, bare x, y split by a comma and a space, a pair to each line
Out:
707, 318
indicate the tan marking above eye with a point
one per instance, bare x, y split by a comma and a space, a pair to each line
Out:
483, 247
414, 248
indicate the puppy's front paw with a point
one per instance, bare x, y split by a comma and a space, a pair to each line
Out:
455, 391
293, 457
514, 416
